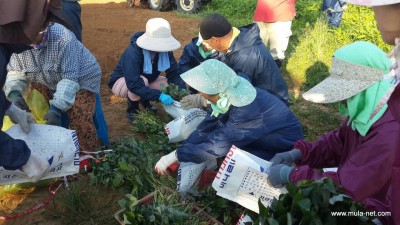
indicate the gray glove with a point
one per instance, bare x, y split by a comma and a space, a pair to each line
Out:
193, 101
18, 100
287, 158
36, 168
279, 175
20, 117
53, 116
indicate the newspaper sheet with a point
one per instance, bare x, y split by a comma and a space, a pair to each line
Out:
242, 178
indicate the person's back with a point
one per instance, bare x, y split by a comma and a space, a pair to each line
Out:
245, 52
268, 125
249, 55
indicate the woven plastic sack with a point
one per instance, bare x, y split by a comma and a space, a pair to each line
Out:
37, 104
57, 145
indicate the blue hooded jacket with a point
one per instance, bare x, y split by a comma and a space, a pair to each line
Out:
13, 153
263, 128
191, 57
130, 66
249, 55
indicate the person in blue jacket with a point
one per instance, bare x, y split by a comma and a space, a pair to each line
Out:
19, 25
242, 115
243, 51
194, 53
137, 75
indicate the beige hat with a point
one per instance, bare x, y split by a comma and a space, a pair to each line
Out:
373, 2
158, 37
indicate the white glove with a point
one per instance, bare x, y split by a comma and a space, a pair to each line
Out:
165, 161
193, 101
20, 116
36, 168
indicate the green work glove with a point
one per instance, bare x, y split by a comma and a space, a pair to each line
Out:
279, 175
53, 116
18, 100
287, 158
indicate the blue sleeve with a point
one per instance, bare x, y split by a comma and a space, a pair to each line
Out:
173, 74
238, 131
132, 62
13, 153
203, 129
184, 61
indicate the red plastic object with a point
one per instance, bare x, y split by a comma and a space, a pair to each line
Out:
173, 168
206, 178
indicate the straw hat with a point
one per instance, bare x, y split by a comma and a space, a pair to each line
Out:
158, 37
373, 2
214, 77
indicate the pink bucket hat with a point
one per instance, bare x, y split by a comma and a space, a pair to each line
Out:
373, 2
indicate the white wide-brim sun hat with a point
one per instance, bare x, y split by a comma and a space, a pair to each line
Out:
373, 2
158, 37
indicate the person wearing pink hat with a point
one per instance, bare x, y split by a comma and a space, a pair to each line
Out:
137, 75
387, 16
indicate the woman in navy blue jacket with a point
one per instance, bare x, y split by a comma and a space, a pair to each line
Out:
138, 73
241, 115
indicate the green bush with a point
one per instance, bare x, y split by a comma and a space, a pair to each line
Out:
313, 41
238, 12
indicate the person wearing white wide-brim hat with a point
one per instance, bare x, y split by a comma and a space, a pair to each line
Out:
137, 75
241, 115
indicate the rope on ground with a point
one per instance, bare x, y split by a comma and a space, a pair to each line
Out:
53, 188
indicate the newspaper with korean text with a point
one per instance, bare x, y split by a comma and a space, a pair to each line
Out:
242, 179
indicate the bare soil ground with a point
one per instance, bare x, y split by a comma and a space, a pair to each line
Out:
106, 32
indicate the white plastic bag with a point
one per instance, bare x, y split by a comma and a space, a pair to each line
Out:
189, 172
180, 128
175, 110
57, 145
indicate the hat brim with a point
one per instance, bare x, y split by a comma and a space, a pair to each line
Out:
158, 44
372, 2
334, 89
197, 79
243, 94
239, 95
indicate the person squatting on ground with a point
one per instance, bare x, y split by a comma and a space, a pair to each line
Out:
137, 75
66, 73
241, 115
274, 19
364, 148
19, 24
73, 10
387, 16
244, 52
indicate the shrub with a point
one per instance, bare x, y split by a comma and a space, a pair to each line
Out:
238, 12
313, 42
